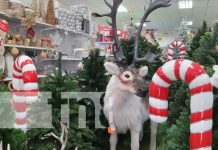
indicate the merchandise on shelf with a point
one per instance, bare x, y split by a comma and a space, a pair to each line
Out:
76, 19
50, 15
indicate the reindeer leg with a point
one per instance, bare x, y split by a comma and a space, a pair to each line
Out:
153, 127
113, 141
134, 140
141, 133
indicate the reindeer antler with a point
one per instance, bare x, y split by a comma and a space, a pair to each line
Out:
152, 6
117, 50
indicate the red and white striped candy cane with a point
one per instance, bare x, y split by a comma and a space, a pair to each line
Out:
172, 46
201, 99
25, 88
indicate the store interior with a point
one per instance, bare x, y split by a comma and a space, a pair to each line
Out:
125, 54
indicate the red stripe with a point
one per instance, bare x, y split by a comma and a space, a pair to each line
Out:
17, 77
30, 76
172, 44
163, 76
177, 68
201, 140
16, 61
203, 115
31, 93
202, 88
193, 71
19, 107
170, 54
158, 112
158, 92
21, 121
26, 92
16, 69
182, 48
28, 61
172, 48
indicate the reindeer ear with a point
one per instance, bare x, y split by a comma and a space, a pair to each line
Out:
215, 67
112, 68
143, 71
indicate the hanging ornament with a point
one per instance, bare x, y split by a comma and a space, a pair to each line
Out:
214, 78
14, 51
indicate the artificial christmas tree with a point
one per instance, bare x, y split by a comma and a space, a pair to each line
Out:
50, 15
81, 138
196, 40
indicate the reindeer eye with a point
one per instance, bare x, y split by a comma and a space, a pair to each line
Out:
127, 76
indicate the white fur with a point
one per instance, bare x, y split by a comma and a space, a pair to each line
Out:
214, 78
143, 71
129, 112
112, 68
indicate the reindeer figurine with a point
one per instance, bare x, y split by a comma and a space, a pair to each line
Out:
123, 102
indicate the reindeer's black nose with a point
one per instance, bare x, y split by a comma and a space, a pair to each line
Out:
142, 92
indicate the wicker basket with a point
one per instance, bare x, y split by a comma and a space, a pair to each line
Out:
4, 5
18, 10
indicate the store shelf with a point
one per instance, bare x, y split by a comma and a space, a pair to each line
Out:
104, 42
63, 30
10, 79
16, 20
64, 59
32, 48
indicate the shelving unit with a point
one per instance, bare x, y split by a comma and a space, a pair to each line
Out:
64, 59
63, 30
32, 48
16, 20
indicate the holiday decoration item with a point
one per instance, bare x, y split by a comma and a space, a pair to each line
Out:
4, 4
14, 51
3, 32
171, 50
201, 98
164, 55
30, 18
43, 55
35, 8
9, 64
25, 84
16, 9
50, 15
42, 9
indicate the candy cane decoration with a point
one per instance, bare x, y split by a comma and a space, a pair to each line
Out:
172, 46
201, 99
25, 88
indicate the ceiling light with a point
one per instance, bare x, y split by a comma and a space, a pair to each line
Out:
137, 24
185, 4
189, 23
122, 9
